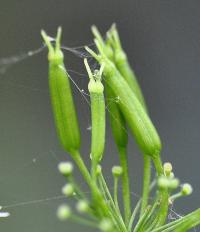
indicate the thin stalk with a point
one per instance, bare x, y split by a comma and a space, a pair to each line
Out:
152, 225
132, 218
193, 217
151, 221
146, 183
76, 187
94, 170
141, 220
158, 165
125, 184
116, 212
112, 212
83, 221
116, 179
96, 194
164, 204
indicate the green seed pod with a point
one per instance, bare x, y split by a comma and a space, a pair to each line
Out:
121, 61
134, 113
61, 97
117, 121
96, 89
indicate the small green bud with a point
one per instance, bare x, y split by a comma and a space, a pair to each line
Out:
82, 206
63, 212
106, 225
117, 171
186, 189
163, 182
68, 190
65, 168
171, 175
173, 183
99, 169
167, 168
167, 183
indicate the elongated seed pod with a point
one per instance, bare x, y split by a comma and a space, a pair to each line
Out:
134, 113
96, 89
117, 121
121, 61
61, 97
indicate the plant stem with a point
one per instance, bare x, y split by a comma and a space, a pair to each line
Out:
116, 194
125, 184
98, 198
116, 212
132, 218
141, 220
193, 218
83, 221
163, 207
158, 165
94, 170
146, 183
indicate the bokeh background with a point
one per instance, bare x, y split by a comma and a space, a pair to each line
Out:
162, 40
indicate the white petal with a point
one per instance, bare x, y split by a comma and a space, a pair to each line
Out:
4, 214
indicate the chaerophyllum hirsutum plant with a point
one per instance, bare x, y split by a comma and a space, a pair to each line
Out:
113, 80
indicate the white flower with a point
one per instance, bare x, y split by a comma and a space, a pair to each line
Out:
4, 214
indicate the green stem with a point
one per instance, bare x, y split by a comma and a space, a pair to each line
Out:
78, 191
125, 184
158, 165
193, 218
98, 198
146, 183
94, 170
132, 218
141, 220
163, 207
116, 194
116, 212
83, 221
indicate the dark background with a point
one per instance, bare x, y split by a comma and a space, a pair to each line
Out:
162, 39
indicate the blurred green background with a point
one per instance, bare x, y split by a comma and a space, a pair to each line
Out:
162, 39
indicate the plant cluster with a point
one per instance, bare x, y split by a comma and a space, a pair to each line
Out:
113, 80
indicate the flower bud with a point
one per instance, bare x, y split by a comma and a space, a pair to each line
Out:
82, 206
68, 190
117, 171
167, 183
167, 168
99, 169
186, 189
106, 225
63, 212
65, 168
